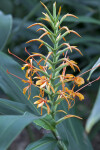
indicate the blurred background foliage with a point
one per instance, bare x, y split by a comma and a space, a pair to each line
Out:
17, 15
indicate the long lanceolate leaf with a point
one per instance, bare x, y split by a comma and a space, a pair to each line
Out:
83, 19
5, 28
11, 126
43, 144
8, 107
95, 114
95, 66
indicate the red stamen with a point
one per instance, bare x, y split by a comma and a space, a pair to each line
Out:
14, 75
89, 70
41, 45
88, 84
21, 78
20, 58
27, 51
16, 56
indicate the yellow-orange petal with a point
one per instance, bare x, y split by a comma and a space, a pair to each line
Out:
37, 102
49, 53
64, 39
69, 116
74, 47
25, 89
75, 32
24, 66
40, 104
59, 10
39, 82
41, 45
43, 29
62, 111
80, 96
37, 96
69, 76
48, 108
66, 28
43, 5
79, 80
50, 68
43, 85
25, 81
67, 15
36, 24
33, 40
27, 73
44, 34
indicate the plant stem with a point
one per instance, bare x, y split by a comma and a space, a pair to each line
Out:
61, 144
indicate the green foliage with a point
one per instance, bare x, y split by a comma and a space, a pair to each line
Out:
95, 66
8, 107
83, 19
95, 114
5, 28
46, 123
45, 143
11, 126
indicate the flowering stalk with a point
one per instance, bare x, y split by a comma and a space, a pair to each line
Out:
47, 83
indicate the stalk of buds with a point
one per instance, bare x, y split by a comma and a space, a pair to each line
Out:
49, 82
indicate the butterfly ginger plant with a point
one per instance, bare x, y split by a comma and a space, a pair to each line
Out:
51, 71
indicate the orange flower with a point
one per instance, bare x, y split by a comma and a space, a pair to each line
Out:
28, 87
80, 96
67, 97
29, 81
70, 63
41, 102
44, 82
30, 71
47, 18
73, 94
78, 80
70, 77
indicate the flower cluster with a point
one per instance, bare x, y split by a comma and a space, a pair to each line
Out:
53, 67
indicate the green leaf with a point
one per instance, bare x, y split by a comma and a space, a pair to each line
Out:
13, 86
95, 114
5, 28
43, 144
92, 2
82, 19
84, 40
11, 126
46, 122
9, 107
72, 132
95, 66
